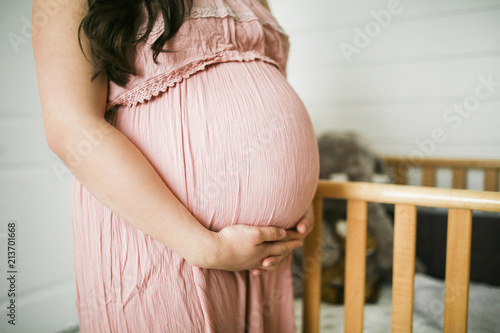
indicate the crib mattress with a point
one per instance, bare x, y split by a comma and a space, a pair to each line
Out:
484, 306
377, 317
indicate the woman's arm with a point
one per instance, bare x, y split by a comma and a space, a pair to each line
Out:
110, 166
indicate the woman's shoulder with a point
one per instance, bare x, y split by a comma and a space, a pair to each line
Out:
64, 63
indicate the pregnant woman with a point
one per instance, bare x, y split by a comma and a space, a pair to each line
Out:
187, 164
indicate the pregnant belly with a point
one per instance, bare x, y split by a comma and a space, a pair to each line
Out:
234, 143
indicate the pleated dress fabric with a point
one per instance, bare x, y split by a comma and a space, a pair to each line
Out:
234, 142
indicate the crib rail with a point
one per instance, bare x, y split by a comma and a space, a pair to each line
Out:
459, 167
460, 204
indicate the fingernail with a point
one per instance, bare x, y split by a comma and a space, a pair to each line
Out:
266, 264
282, 232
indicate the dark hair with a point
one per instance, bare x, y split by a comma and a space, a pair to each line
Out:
111, 26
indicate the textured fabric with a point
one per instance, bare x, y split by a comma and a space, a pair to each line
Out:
235, 144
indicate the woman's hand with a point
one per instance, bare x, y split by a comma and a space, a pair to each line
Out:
303, 228
242, 247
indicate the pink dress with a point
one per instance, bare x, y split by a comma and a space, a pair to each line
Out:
233, 141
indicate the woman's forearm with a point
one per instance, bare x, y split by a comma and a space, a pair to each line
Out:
115, 172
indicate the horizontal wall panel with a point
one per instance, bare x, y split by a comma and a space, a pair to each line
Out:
23, 142
456, 79
411, 121
46, 310
298, 17
19, 82
449, 38
39, 203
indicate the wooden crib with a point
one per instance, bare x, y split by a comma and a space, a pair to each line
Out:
460, 204
401, 165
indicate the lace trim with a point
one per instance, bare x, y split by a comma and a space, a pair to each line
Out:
160, 83
219, 12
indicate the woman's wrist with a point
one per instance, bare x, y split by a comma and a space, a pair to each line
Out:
201, 249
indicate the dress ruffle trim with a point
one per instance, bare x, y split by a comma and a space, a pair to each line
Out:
160, 83
218, 12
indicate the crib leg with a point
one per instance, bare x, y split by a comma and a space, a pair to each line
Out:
355, 266
312, 272
458, 246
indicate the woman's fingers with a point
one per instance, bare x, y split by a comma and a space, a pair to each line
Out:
283, 248
271, 234
270, 263
277, 252
293, 235
282, 241
306, 223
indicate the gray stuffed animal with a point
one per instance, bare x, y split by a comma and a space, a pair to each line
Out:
346, 156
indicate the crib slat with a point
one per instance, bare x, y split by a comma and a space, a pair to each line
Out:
457, 270
312, 272
400, 173
459, 178
355, 262
491, 179
429, 176
405, 222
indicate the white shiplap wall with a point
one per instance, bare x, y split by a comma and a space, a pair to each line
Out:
399, 86
394, 91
